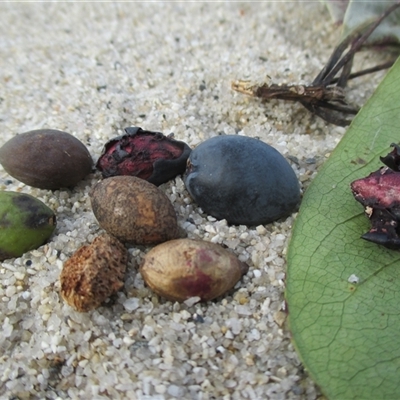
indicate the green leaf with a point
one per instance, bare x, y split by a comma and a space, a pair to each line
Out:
346, 333
337, 9
361, 12
355, 14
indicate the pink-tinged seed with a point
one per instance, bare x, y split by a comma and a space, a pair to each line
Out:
184, 268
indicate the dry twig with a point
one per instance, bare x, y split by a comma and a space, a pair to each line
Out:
325, 96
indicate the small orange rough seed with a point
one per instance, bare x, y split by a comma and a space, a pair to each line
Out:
93, 273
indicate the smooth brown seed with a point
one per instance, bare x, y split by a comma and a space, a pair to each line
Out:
46, 159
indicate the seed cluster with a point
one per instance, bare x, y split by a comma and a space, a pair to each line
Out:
135, 211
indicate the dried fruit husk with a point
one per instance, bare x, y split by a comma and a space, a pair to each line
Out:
134, 210
25, 224
148, 155
46, 159
379, 193
392, 160
93, 273
184, 268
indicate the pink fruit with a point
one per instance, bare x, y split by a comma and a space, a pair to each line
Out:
379, 193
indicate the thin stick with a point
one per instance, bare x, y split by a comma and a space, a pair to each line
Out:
358, 42
330, 117
334, 59
322, 97
366, 71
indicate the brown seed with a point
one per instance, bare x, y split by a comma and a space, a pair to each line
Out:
134, 210
46, 159
93, 273
184, 268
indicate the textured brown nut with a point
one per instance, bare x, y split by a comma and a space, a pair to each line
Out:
46, 159
134, 210
93, 273
184, 268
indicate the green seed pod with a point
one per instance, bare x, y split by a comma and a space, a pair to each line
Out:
25, 224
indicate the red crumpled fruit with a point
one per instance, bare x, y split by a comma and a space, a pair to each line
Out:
147, 155
379, 193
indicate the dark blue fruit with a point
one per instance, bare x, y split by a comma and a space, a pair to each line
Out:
242, 180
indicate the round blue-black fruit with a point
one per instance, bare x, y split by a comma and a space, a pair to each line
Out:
242, 180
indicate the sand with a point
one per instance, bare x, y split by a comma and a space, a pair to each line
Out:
92, 69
